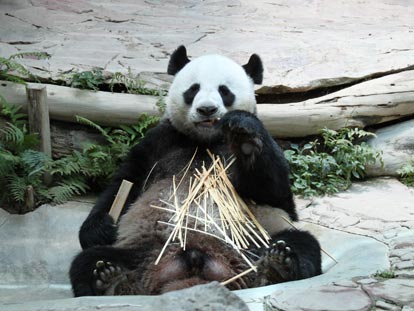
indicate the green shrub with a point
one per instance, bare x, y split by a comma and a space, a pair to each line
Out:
89, 80
386, 274
327, 165
407, 174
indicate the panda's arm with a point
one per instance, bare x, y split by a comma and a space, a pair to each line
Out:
99, 227
261, 172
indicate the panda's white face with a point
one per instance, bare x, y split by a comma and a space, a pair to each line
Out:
203, 90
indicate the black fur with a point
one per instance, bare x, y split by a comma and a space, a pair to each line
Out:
260, 173
178, 60
99, 228
191, 93
226, 95
254, 68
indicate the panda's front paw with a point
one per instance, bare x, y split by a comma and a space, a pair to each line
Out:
244, 133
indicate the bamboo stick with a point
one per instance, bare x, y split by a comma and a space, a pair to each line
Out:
120, 200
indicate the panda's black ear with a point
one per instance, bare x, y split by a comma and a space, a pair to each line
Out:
178, 60
254, 68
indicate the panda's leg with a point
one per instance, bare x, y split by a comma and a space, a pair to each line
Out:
98, 270
261, 172
294, 255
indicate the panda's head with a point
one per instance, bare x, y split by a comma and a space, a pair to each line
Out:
205, 88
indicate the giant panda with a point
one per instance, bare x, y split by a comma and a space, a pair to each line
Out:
210, 105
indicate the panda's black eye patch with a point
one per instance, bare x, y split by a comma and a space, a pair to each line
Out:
226, 95
191, 93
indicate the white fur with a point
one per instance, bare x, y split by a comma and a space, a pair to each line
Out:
210, 71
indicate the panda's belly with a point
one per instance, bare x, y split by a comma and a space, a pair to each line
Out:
154, 213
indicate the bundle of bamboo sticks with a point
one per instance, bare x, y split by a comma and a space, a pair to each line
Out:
213, 207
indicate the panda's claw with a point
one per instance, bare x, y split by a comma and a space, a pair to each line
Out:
280, 244
99, 264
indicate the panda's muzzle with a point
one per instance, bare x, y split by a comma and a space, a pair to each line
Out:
208, 122
207, 113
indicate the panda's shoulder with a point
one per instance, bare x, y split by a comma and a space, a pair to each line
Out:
164, 131
163, 134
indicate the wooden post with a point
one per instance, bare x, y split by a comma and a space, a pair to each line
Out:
30, 202
38, 112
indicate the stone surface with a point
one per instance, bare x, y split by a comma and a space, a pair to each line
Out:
43, 243
367, 281
399, 291
38, 247
321, 298
382, 205
304, 44
209, 297
385, 210
396, 142
389, 220
382, 305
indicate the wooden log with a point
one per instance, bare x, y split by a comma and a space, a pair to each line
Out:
368, 103
105, 108
372, 102
67, 137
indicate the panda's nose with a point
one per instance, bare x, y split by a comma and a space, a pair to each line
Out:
207, 111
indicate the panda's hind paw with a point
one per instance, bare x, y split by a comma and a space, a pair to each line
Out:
281, 260
107, 276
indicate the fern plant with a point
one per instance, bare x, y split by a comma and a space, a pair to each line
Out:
133, 84
89, 80
22, 167
11, 70
98, 162
327, 166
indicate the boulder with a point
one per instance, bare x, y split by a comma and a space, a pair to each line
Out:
396, 142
